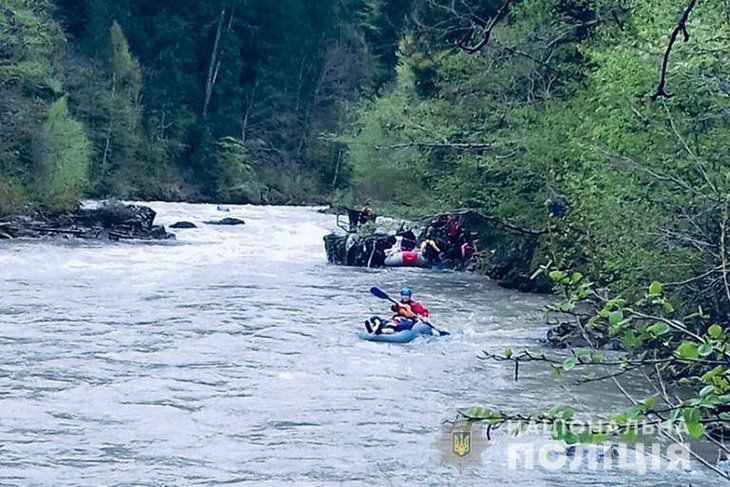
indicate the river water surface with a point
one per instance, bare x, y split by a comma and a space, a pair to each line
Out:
230, 357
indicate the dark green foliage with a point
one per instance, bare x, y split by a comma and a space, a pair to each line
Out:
41, 146
158, 85
560, 103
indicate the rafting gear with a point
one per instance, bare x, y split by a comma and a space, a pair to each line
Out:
405, 258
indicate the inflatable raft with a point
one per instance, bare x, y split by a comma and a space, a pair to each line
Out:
405, 336
406, 258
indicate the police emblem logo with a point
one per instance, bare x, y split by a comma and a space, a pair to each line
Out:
461, 443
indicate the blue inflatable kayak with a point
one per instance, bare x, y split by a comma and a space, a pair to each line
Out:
405, 336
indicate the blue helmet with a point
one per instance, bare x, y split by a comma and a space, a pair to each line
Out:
406, 292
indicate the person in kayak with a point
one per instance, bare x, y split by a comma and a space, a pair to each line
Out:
406, 314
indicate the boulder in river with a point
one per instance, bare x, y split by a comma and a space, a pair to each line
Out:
183, 225
110, 221
226, 221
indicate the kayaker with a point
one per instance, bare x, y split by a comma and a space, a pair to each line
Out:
407, 313
411, 308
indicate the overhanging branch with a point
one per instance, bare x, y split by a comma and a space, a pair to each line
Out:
487, 32
430, 145
681, 27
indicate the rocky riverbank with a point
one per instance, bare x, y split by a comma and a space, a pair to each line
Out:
107, 222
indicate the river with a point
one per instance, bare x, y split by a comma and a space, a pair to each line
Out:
230, 357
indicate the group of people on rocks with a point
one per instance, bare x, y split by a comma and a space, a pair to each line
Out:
445, 239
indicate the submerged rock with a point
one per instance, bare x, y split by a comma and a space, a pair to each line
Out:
183, 225
226, 221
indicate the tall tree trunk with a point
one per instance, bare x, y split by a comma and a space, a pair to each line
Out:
308, 112
214, 65
338, 164
249, 108
108, 144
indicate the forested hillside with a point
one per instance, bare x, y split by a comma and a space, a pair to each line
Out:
225, 100
555, 115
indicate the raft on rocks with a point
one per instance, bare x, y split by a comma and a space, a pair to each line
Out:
506, 253
107, 222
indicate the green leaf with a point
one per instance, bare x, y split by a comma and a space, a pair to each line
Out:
576, 278
715, 331
570, 363
508, 352
658, 329
563, 412
630, 340
615, 318
621, 419
705, 350
714, 373
656, 289
695, 429
688, 351
650, 404
667, 307
570, 438
557, 276
630, 436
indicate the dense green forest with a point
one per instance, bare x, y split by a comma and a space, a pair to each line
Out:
565, 111
225, 100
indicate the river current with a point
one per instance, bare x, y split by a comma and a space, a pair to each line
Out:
230, 357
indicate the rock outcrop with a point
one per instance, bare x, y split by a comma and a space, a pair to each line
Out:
107, 222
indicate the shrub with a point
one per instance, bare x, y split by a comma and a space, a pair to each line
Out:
62, 159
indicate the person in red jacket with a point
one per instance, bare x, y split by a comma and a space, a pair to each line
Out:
409, 308
406, 314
